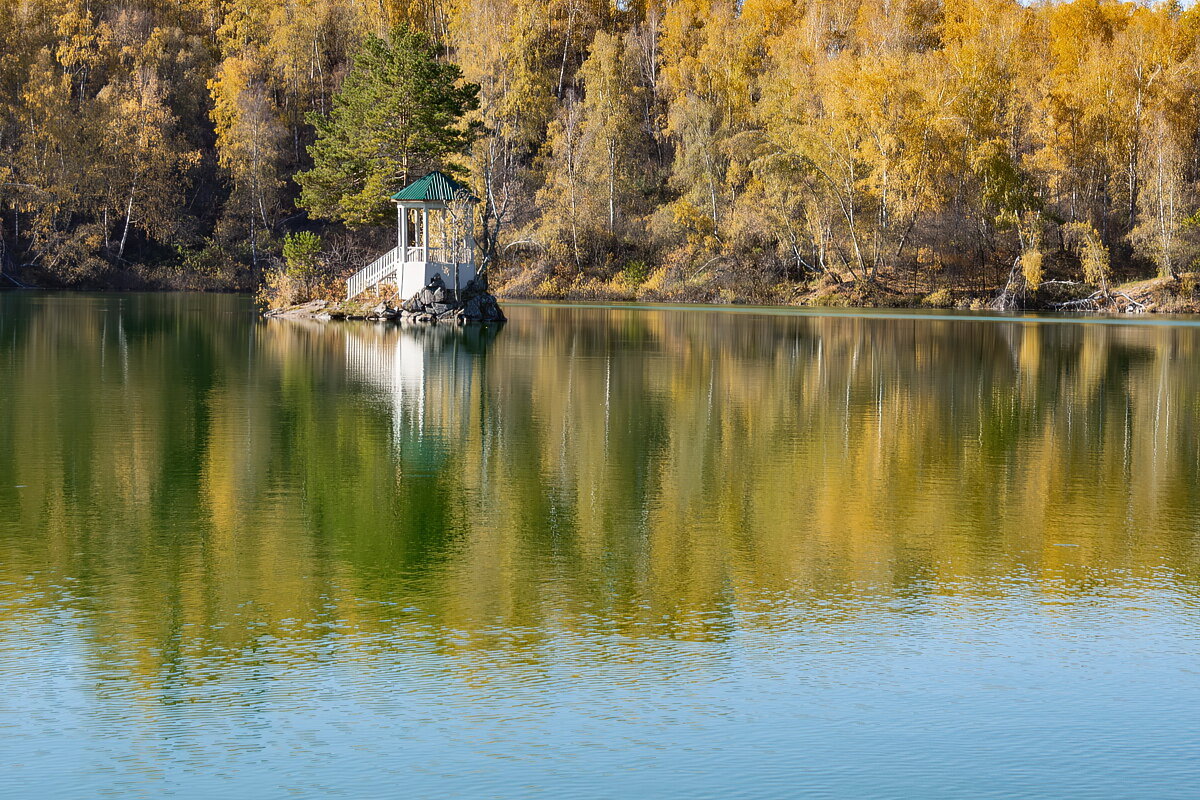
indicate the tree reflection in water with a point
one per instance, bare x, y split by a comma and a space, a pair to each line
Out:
223, 483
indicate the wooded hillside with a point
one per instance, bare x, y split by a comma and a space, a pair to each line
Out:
696, 148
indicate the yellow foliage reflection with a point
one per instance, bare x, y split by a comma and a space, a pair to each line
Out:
201, 492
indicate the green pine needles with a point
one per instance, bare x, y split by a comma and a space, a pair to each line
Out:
399, 114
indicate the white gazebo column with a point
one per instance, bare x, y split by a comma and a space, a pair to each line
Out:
402, 213
446, 244
425, 234
470, 226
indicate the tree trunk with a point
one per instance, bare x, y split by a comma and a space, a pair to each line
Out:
612, 187
128, 216
562, 70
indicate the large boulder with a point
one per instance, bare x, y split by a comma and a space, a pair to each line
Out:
490, 309
382, 311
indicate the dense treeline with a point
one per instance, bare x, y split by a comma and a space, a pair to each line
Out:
698, 148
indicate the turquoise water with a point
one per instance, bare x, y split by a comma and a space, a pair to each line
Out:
597, 552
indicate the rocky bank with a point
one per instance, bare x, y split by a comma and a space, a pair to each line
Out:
433, 304
436, 303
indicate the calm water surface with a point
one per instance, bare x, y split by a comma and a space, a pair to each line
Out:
596, 553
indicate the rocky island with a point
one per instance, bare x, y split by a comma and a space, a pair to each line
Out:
434, 303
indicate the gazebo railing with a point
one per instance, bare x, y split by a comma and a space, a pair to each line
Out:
390, 263
373, 273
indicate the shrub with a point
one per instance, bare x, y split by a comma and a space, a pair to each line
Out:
1187, 284
213, 266
939, 299
302, 255
1032, 268
635, 273
281, 290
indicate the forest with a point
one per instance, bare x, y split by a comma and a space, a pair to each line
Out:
874, 151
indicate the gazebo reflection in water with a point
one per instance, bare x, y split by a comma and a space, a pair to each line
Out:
430, 376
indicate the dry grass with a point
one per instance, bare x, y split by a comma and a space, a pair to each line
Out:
680, 285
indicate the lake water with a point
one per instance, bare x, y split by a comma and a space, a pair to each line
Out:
599, 552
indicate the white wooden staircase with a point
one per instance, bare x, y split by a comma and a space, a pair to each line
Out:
386, 267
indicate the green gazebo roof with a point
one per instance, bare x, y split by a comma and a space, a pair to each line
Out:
434, 187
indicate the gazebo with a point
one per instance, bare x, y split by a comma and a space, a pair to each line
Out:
435, 218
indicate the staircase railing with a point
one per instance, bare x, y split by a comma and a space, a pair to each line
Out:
373, 273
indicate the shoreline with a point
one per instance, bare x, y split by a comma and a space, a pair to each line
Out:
884, 312
371, 308
1154, 296
306, 311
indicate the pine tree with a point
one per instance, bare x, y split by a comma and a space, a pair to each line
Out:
398, 115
